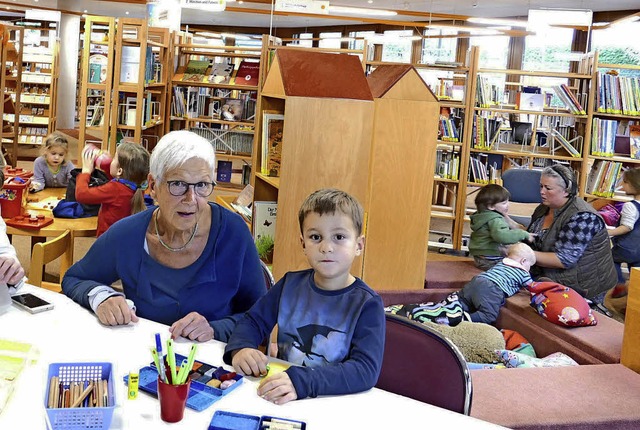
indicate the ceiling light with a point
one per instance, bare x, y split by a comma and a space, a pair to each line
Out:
498, 21
462, 28
126, 12
85, 11
235, 36
361, 11
541, 18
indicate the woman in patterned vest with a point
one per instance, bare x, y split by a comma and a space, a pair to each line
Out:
572, 245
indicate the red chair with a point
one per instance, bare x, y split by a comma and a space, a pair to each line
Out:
424, 365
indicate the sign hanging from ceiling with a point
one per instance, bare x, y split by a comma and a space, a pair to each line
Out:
303, 6
209, 5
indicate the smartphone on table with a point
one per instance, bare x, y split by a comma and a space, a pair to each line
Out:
31, 303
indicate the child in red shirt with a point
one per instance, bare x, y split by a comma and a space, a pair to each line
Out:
124, 194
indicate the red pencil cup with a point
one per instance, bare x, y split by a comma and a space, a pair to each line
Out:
173, 400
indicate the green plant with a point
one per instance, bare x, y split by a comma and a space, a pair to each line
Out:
264, 245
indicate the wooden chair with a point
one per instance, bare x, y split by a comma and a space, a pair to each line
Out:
422, 364
44, 253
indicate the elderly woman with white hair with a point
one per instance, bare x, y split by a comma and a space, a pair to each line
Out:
186, 262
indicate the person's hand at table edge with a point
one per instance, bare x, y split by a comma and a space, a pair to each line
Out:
193, 326
115, 311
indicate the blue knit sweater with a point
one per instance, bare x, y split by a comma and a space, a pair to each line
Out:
335, 337
221, 285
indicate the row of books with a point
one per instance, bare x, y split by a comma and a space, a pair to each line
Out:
447, 164
618, 94
488, 94
226, 72
450, 129
485, 132
569, 99
202, 102
608, 135
604, 178
567, 144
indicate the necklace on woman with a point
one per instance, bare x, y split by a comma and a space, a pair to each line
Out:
193, 234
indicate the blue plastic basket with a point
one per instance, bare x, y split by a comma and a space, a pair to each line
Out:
81, 418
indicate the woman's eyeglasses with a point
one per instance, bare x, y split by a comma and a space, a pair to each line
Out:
180, 188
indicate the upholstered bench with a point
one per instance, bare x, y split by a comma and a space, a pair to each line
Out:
572, 398
597, 344
449, 274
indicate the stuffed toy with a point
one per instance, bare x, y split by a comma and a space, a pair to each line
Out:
561, 305
476, 341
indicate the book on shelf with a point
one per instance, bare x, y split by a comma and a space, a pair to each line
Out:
565, 94
243, 202
220, 73
224, 170
232, 110
273, 127
634, 141
264, 219
98, 68
247, 73
130, 64
566, 144
197, 67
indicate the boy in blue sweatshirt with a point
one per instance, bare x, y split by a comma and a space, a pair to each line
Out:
331, 325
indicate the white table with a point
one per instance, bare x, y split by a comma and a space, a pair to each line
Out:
69, 333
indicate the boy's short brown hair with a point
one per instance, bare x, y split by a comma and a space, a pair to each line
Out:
490, 195
330, 201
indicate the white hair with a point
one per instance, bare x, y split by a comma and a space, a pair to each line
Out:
175, 148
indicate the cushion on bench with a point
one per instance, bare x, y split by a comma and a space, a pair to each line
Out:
449, 274
566, 398
602, 341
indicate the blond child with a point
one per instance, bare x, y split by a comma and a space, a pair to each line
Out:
492, 228
330, 324
52, 169
124, 194
626, 237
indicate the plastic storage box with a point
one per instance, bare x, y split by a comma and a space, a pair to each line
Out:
93, 418
223, 420
13, 196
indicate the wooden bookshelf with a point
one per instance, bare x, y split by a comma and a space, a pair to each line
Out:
611, 112
96, 82
140, 81
39, 83
352, 144
11, 83
218, 103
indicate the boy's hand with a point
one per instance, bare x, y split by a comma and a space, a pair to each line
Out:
11, 271
88, 160
532, 237
277, 389
250, 361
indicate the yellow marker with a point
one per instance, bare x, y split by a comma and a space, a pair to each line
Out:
133, 386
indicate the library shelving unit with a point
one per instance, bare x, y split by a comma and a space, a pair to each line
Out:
402, 157
343, 147
10, 82
531, 135
39, 83
96, 81
214, 92
615, 137
451, 84
140, 80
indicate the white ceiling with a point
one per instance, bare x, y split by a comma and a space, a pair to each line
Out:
479, 8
